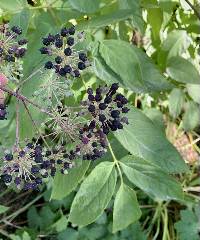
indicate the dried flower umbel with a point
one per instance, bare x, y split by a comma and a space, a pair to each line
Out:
66, 60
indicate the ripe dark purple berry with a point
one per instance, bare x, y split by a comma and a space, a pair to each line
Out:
35, 170
102, 117
59, 43
83, 57
91, 97
46, 41
102, 106
68, 51
49, 65
9, 58
58, 59
62, 72
125, 110
108, 99
91, 108
7, 178
44, 50
98, 97
64, 31
67, 68
76, 73
105, 130
17, 30
22, 41
114, 87
3, 113
8, 157
81, 65
115, 113
70, 41
89, 91
71, 30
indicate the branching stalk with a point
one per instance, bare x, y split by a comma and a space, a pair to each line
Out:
193, 8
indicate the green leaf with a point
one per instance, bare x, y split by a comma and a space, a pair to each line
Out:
94, 194
126, 208
155, 19
3, 209
176, 101
151, 179
10, 5
191, 117
135, 6
21, 19
182, 70
193, 91
156, 116
175, 44
65, 184
106, 19
61, 224
188, 226
69, 234
134, 68
143, 139
85, 6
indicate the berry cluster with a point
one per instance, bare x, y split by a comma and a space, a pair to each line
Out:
66, 60
107, 108
11, 48
26, 168
3, 112
93, 143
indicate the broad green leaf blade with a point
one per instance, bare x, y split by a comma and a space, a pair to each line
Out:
3, 209
151, 179
176, 101
156, 117
21, 19
103, 71
126, 208
136, 9
10, 5
106, 19
193, 91
182, 70
143, 139
188, 226
85, 6
191, 117
175, 44
155, 19
65, 184
94, 194
135, 69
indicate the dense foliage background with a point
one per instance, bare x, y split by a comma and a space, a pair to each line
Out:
147, 185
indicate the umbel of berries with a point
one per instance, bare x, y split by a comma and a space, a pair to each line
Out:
12, 47
25, 168
22, 167
64, 58
93, 143
107, 108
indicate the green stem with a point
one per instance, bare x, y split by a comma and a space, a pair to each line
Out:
115, 161
5, 192
165, 222
15, 214
4, 233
